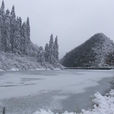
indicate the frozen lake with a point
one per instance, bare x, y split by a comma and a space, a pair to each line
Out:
71, 90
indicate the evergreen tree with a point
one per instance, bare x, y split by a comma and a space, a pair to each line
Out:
27, 37
3, 8
51, 49
47, 52
13, 28
23, 36
28, 29
2, 13
0, 29
7, 32
56, 47
17, 39
41, 56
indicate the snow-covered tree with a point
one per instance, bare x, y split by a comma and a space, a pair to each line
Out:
27, 37
41, 56
51, 44
28, 29
12, 28
3, 8
47, 52
51, 50
23, 35
2, 23
15, 38
56, 48
7, 44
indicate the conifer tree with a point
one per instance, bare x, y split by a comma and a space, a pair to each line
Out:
56, 47
7, 44
13, 28
47, 52
28, 29
3, 8
15, 38
51, 49
2, 13
23, 35
41, 56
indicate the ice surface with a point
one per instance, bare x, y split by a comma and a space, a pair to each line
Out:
103, 105
26, 92
18, 85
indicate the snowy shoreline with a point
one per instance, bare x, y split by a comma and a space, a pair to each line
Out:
37, 69
102, 105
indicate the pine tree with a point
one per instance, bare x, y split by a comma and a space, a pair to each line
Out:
3, 8
0, 29
13, 28
2, 13
51, 49
56, 47
0, 36
17, 39
27, 37
28, 29
47, 52
23, 36
7, 32
41, 56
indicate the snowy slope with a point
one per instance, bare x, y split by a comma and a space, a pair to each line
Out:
102, 49
15, 62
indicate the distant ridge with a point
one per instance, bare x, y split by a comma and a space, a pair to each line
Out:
96, 52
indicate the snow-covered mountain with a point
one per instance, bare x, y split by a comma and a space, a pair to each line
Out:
16, 45
96, 52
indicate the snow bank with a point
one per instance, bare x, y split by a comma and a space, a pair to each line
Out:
103, 105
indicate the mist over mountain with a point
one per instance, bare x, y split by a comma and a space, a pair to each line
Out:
98, 51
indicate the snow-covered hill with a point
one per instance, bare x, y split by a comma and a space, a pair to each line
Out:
97, 52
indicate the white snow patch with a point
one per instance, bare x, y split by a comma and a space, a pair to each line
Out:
14, 69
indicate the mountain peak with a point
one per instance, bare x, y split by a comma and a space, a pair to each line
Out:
99, 36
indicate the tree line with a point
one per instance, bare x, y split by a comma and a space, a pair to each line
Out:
15, 38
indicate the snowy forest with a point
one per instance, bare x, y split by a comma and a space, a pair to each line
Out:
15, 38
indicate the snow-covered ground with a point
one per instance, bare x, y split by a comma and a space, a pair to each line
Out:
103, 105
15, 62
26, 92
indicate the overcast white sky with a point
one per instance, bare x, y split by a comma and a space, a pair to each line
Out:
74, 21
